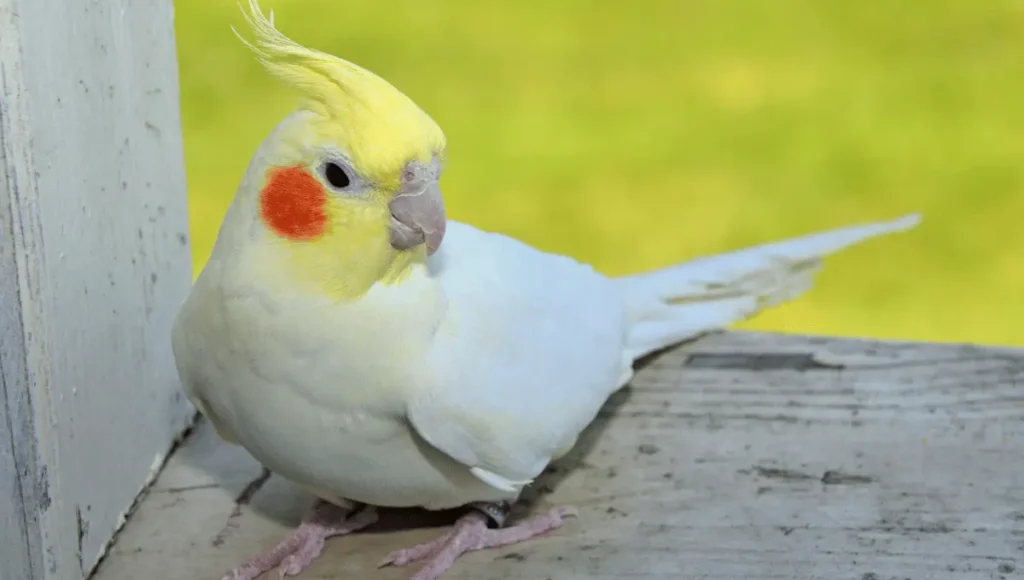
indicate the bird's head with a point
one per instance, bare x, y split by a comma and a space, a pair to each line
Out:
345, 189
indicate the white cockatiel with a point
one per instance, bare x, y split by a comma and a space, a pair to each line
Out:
335, 337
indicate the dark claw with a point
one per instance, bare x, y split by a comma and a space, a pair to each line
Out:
496, 512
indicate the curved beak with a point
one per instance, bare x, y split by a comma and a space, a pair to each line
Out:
417, 216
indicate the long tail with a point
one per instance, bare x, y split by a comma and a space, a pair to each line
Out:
680, 302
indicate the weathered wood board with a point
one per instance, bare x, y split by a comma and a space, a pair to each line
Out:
741, 455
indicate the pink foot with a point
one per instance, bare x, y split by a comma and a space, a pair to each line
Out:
293, 555
469, 534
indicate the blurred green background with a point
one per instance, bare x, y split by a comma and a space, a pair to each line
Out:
632, 135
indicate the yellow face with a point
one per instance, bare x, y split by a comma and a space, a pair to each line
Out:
343, 228
350, 187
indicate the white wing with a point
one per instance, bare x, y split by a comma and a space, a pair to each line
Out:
534, 343
530, 348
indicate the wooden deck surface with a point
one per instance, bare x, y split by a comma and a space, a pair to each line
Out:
741, 455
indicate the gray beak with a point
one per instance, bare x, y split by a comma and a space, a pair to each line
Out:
417, 212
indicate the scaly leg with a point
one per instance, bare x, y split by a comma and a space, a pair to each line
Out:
292, 556
471, 533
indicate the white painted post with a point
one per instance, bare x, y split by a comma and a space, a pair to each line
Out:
94, 261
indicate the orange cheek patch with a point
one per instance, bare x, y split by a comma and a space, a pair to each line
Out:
292, 204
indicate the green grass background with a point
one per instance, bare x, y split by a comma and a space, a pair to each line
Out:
637, 134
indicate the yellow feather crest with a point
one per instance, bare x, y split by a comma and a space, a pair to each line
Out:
378, 126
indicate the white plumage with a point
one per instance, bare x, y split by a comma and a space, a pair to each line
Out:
464, 381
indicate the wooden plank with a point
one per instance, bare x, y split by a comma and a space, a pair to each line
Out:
95, 261
741, 455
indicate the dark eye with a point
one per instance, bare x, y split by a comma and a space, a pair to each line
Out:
336, 176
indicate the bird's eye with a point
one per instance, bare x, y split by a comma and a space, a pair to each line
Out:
336, 176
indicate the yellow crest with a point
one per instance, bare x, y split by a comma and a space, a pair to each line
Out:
378, 126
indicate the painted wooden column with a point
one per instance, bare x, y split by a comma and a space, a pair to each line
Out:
94, 261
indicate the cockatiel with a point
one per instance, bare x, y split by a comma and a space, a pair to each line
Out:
360, 345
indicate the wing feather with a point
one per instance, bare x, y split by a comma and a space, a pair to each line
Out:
529, 350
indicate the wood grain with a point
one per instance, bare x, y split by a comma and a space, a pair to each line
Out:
95, 260
741, 455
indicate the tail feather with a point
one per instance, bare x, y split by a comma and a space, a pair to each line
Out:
680, 302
